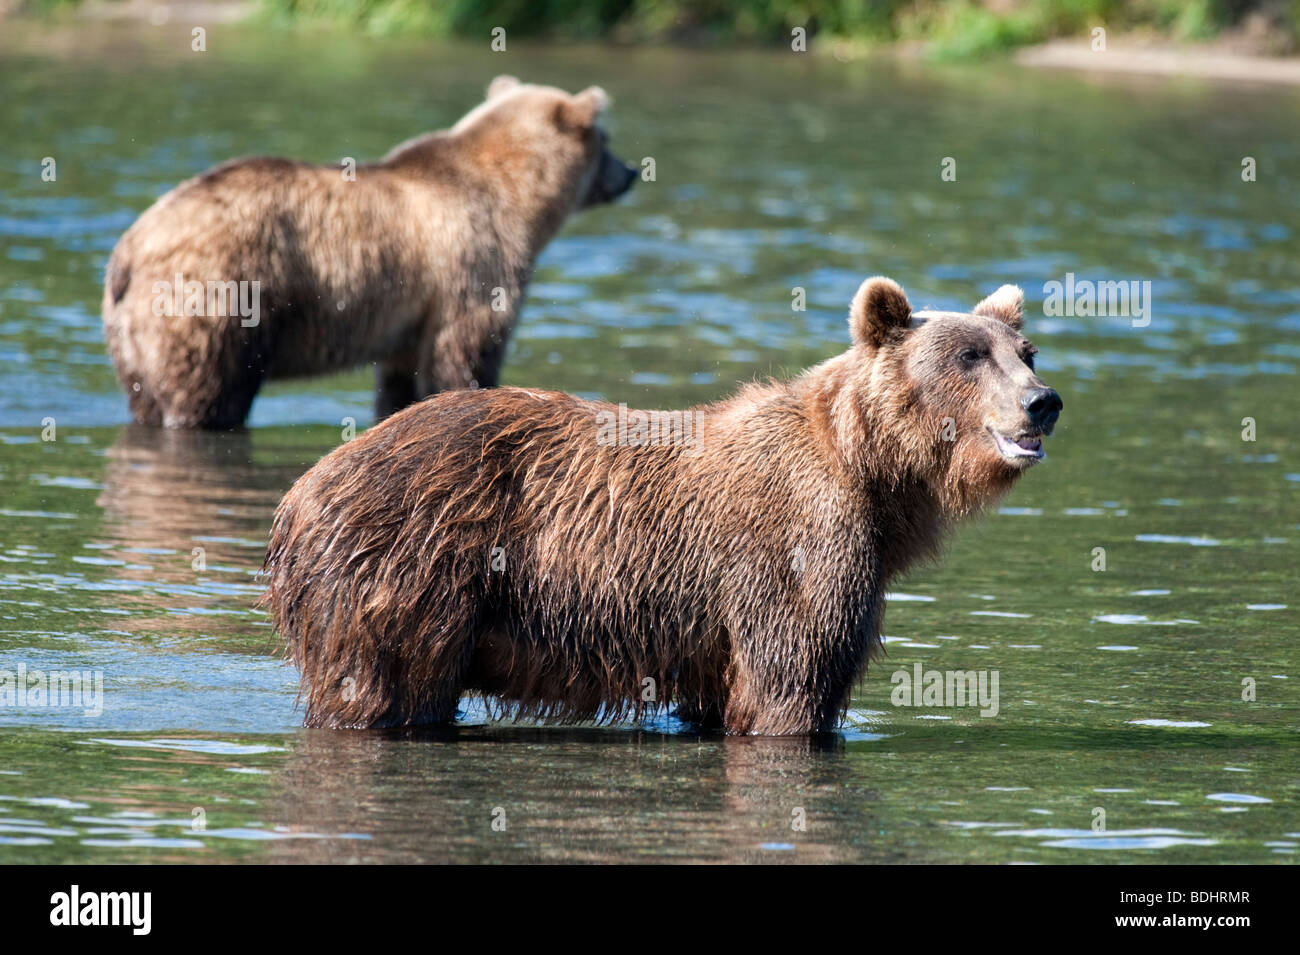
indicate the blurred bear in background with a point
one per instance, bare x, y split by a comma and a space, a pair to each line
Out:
268, 268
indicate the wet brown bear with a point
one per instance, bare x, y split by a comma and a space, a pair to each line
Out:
266, 268
578, 561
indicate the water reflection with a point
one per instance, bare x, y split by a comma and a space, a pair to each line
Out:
169, 491
185, 517
576, 795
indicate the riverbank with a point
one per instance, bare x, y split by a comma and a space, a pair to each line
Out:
1259, 47
1206, 61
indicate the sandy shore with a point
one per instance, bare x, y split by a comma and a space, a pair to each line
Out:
1165, 61
158, 12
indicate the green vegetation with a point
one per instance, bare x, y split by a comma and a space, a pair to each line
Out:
39, 6
947, 28
944, 28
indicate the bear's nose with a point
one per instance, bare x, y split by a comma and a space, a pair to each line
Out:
1043, 405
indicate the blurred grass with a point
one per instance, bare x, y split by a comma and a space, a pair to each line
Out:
945, 29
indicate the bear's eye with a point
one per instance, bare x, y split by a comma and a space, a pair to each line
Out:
971, 356
1029, 356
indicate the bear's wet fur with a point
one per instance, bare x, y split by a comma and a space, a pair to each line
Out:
512, 543
417, 264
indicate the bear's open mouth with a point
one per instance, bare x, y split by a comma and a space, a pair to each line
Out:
1027, 447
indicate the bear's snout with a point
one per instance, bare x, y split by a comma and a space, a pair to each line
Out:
613, 178
1043, 405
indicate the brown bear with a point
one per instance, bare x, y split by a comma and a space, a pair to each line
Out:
266, 268
577, 561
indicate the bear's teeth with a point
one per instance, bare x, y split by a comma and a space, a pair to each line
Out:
1018, 447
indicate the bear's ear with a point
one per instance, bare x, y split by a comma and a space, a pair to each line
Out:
501, 85
582, 110
1007, 304
880, 306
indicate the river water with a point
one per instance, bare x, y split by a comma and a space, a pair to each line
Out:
1147, 712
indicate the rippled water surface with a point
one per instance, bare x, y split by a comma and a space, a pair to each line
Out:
133, 552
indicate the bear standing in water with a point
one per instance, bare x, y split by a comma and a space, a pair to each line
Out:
266, 268
557, 553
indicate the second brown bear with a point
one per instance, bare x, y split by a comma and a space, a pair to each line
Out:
267, 268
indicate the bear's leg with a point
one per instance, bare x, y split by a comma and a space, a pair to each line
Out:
794, 697
222, 405
385, 682
144, 409
216, 376
437, 649
466, 351
439, 697
395, 385
347, 689
706, 714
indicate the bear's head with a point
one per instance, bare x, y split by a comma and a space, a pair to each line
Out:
551, 142
952, 398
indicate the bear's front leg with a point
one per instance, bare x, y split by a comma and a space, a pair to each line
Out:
785, 687
395, 386
465, 348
